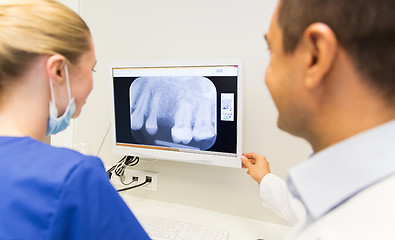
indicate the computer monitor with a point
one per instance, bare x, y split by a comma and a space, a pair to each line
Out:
189, 111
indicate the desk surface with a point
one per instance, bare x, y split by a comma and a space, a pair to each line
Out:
239, 228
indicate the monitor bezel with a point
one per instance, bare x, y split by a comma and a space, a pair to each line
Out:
197, 158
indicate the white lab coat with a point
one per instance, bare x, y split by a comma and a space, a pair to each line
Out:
346, 222
276, 196
368, 215
349, 189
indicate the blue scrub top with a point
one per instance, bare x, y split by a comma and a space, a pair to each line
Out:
56, 193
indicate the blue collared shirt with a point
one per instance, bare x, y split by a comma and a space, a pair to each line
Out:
332, 176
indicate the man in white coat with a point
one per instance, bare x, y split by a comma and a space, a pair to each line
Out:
331, 76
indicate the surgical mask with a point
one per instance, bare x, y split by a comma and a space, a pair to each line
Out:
57, 124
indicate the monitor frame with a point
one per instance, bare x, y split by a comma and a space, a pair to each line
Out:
181, 156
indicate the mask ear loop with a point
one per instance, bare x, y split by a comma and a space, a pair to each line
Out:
68, 87
51, 90
68, 82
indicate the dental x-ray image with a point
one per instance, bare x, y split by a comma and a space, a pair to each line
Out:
177, 112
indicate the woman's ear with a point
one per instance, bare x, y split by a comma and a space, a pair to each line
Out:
321, 46
55, 68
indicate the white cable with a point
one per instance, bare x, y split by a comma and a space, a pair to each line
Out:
104, 138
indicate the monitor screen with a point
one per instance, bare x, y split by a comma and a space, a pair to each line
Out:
188, 111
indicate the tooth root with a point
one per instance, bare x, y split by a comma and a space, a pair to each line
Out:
203, 128
152, 122
181, 132
134, 89
137, 117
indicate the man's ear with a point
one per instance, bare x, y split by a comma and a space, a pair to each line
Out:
321, 46
55, 68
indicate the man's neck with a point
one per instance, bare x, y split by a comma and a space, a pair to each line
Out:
333, 132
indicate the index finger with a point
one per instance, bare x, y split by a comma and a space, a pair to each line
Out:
251, 155
246, 162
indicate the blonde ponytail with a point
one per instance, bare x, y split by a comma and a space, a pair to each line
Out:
30, 28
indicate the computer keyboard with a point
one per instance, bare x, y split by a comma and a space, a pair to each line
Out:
160, 228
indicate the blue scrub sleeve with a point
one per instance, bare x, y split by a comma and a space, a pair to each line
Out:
90, 208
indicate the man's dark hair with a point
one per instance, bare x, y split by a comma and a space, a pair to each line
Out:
364, 28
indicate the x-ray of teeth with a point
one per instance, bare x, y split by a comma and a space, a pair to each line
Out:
182, 129
174, 111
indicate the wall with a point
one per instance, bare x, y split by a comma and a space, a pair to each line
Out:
73, 4
154, 30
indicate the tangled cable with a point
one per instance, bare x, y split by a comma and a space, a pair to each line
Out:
119, 168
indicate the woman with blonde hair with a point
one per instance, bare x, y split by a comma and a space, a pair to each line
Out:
46, 62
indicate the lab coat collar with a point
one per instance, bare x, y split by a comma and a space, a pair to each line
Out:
332, 176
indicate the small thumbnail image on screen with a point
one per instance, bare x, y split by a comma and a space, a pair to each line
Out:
177, 112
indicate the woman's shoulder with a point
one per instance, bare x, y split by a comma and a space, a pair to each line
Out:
44, 158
